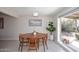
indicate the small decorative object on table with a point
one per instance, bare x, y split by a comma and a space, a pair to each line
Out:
34, 32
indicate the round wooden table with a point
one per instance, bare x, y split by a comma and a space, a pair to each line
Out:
38, 36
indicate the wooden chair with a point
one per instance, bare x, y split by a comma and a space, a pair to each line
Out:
45, 39
32, 45
22, 41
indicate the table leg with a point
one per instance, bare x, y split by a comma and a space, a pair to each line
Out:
38, 43
21, 47
46, 44
43, 45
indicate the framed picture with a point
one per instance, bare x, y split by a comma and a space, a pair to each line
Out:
35, 22
1, 22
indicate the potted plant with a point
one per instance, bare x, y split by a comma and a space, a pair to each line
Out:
50, 28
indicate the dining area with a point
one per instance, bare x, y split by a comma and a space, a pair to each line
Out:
17, 32
32, 41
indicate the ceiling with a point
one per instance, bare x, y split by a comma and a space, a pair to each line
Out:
28, 11
74, 15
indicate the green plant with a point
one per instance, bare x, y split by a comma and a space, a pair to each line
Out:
50, 27
68, 25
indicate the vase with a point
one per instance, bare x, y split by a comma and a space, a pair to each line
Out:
51, 37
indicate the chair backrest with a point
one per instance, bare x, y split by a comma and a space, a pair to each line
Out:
32, 42
22, 39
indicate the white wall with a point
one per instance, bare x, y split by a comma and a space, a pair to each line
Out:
14, 26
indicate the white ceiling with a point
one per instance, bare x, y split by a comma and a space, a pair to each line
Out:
74, 15
28, 11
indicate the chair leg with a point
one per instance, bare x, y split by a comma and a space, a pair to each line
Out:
36, 49
43, 45
21, 46
38, 44
46, 44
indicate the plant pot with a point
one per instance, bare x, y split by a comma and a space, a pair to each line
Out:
51, 37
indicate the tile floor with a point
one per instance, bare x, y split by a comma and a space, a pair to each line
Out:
12, 46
